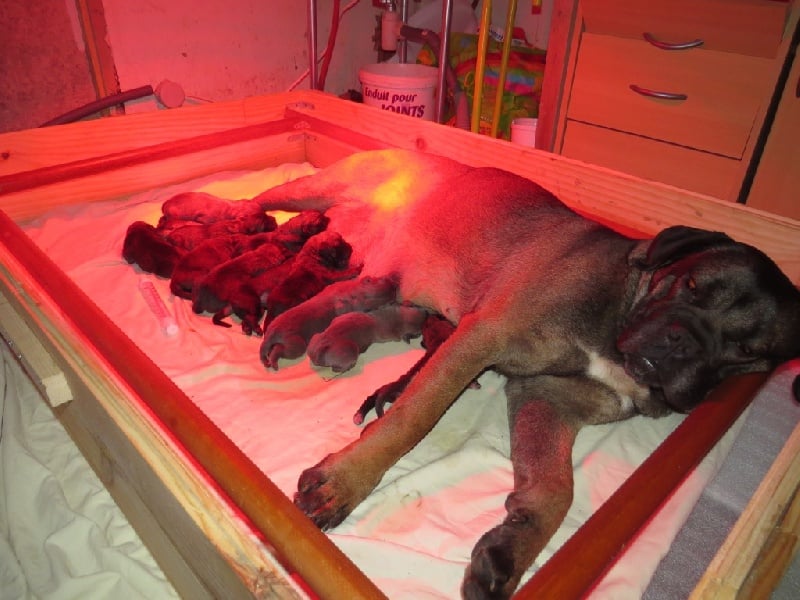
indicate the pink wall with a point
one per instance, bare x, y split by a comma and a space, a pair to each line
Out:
225, 49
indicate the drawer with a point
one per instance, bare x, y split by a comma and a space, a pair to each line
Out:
723, 92
657, 161
752, 27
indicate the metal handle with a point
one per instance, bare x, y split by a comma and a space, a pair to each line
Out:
671, 46
657, 94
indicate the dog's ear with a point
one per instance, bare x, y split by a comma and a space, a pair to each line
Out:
673, 243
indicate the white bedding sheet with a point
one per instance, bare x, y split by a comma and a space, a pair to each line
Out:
62, 536
414, 534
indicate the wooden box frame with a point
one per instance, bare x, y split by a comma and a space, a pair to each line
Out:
193, 497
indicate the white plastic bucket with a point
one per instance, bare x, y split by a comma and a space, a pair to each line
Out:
407, 89
523, 131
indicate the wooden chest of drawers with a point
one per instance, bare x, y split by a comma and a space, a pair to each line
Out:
674, 91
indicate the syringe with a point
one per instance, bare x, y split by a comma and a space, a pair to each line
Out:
156, 304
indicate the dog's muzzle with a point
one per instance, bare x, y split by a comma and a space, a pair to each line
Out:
641, 369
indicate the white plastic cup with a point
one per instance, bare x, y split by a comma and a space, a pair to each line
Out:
523, 131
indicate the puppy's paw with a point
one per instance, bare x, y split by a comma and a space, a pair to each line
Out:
320, 498
379, 400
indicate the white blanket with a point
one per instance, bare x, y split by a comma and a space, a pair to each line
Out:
414, 534
62, 535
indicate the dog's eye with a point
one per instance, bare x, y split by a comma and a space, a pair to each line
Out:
691, 284
745, 349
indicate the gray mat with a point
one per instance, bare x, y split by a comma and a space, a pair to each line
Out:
769, 422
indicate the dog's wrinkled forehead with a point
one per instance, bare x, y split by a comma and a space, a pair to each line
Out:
747, 292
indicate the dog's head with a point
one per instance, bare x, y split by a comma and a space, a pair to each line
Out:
712, 308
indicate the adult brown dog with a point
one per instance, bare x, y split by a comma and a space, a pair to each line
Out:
588, 325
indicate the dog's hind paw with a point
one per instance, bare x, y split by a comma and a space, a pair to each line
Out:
317, 498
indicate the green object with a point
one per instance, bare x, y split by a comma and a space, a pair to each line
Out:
523, 87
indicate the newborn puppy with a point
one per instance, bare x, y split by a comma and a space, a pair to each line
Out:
287, 336
348, 335
145, 246
236, 283
221, 284
205, 208
190, 218
196, 264
323, 260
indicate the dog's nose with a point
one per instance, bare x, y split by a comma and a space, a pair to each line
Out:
681, 343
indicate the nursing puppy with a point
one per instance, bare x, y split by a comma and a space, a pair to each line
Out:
350, 334
195, 266
145, 246
589, 326
324, 260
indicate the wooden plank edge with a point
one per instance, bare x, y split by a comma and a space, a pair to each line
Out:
776, 555
612, 197
177, 507
561, 49
298, 542
742, 553
38, 364
256, 154
113, 458
36, 148
91, 166
584, 558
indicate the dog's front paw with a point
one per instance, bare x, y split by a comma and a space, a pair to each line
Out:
492, 573
321, 497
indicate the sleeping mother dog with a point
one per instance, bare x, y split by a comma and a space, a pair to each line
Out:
588, 325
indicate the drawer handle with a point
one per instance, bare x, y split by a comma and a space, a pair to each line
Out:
657, 94
668, 46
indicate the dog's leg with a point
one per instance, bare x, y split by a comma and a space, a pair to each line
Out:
545, 414
329, 491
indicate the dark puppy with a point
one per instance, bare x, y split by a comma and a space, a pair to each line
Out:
350, 334
198, 263
190, 218
145, 246
207, 209
324, 259
288, 335
233, 281
230, 282
589, 326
